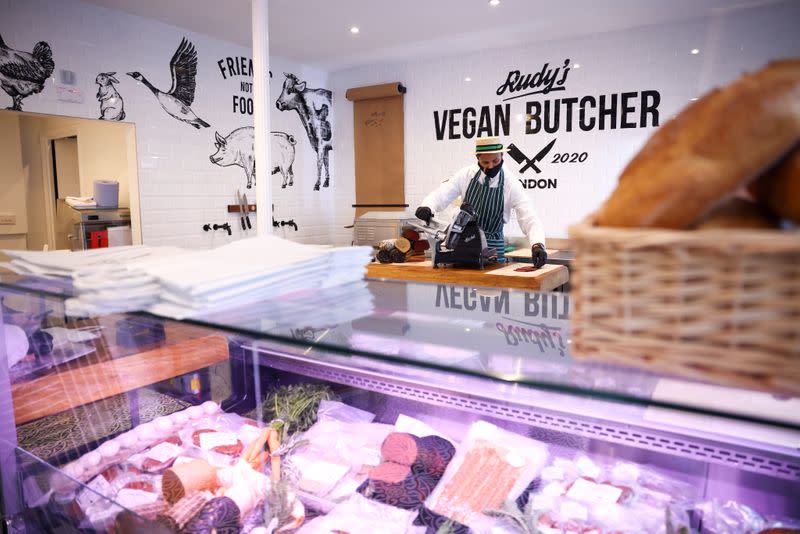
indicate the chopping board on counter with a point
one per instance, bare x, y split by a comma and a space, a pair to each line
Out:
554, 255
501, 275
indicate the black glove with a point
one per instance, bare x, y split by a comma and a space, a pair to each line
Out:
539, 255
424, 213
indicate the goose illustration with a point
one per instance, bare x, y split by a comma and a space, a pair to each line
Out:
177, 100
24, 73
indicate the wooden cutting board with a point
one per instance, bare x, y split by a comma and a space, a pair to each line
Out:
525, 253
547, 278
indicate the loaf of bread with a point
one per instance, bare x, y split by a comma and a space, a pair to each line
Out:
713, 147
779, 188
738, 213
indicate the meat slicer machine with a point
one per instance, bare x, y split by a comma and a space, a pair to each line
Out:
462, 242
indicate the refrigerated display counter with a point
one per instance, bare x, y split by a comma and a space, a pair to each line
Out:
381, 407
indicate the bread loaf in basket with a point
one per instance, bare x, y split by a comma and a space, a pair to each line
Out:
719, 303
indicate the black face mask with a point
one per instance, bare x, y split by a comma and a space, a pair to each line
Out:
494, 171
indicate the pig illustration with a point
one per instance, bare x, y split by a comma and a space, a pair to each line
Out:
282, 154
237, 148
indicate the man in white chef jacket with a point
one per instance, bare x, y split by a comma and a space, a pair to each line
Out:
493, 191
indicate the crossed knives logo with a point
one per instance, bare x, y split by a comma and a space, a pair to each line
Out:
529, 163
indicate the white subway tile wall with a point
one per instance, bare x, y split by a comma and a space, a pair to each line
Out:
180, 188
651, 58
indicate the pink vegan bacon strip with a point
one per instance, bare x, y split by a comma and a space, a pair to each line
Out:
483, 481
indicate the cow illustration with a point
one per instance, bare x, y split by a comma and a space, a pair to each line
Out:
313, 106
238, 148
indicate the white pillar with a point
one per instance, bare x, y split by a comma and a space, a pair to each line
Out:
261, 109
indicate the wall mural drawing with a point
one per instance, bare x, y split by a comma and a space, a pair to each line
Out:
112, 107
313, 106
282, 154
177, 101
22, 73
238, 148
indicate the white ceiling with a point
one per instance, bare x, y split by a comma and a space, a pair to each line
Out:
316, 32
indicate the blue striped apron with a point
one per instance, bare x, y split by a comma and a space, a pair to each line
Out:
488, 204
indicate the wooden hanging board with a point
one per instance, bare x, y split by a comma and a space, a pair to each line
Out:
236, 208
378, 136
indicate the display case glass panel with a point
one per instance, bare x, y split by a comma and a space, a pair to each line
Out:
599, 448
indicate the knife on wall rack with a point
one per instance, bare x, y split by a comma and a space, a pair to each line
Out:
246, 207
242, 208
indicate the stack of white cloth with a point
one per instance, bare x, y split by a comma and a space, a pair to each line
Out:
181, 283
81, 202
305, 309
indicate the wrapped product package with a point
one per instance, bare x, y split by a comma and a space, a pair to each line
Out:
337, 456
490, 466
218, 437
359, 515
621, 496
731, 517
339, 411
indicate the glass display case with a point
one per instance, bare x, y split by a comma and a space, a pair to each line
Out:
379, 406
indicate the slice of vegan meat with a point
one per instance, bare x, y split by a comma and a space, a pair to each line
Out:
389, 472
143, 485
231, 450
153, 465
111, 473
625, 492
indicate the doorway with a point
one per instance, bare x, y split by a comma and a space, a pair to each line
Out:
65, 182
48, 158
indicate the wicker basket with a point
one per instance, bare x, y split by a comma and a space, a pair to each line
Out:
715, 305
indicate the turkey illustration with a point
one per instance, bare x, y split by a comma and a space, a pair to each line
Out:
22, 73
177, 101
